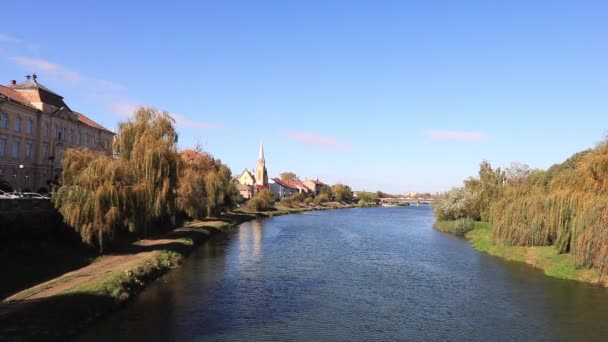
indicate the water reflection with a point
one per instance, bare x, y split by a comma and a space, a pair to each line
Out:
250, 242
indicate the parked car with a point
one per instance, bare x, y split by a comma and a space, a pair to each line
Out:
3, 195
13, 195
32, 195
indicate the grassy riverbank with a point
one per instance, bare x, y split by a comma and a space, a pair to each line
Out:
545, 258
64, 305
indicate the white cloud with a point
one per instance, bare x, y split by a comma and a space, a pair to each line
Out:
318, 140
184, 121
455, 135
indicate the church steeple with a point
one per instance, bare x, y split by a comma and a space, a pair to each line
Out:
261, 175
261, 154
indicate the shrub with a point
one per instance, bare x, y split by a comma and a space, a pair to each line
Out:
287, 202
298, 197
455, 204
462, 226
263, 200
321, 199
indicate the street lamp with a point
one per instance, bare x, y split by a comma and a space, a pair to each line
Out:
51, 161
21, 179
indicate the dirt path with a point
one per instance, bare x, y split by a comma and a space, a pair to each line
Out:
104, 265
78, 277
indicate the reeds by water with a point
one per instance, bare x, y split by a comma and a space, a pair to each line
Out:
568, 209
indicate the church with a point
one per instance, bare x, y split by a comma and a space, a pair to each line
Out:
249, 183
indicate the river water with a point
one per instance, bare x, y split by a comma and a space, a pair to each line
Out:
370, 274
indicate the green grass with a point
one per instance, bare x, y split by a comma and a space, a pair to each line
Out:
545, 258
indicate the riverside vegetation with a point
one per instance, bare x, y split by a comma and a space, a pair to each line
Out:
555, 219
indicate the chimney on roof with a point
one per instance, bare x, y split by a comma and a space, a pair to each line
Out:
13, 82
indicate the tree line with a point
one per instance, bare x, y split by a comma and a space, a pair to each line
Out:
565, 206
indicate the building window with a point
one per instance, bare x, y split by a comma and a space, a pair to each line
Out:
28, 150
17, 124
3, 120
30, 127
78, 138
16, 145
58, 154
86, 140
72, 137
46, 129
2, 147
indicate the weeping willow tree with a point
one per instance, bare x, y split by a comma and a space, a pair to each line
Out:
93, 197
567, 209
103, 194
148, 142
206, 187
526, 224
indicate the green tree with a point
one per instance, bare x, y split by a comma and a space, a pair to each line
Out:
342, 192
103, 194
491, 187
206, 187
325, 189
289, 176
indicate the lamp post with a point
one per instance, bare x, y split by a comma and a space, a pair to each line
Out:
21, 179
51, 161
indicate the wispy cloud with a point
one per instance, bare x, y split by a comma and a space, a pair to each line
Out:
16, 43
8, 39
318, 140
184, 121
109, 94
455, 135
122, 108
65, 74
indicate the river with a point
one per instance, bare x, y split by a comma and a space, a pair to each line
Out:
369, 274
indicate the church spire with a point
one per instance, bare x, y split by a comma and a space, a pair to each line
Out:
261, 155
261, 175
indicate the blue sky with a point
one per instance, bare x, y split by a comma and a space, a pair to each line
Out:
381, 95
